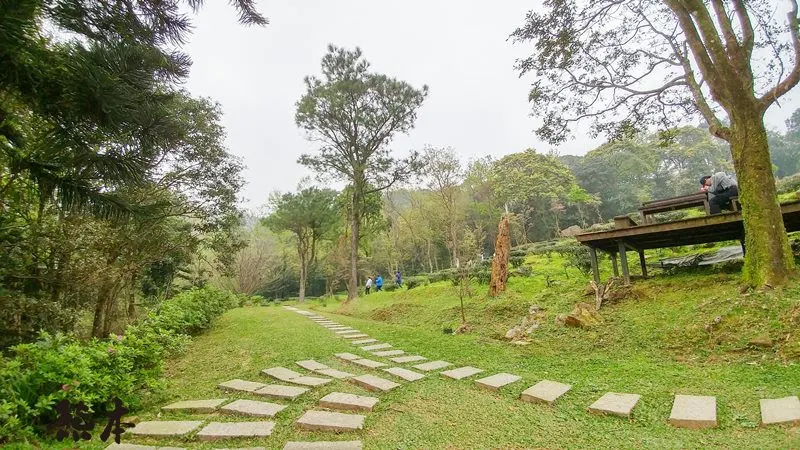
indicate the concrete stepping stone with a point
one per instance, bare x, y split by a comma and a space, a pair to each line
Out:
310, 364
385, 353
160, 428
615, 404
780, 410
370, 348
311, 381
253, 408
347, 356
228, 430
324, 445
408, 375
495, 382
348, 402
694, 411
355, 336
281, 391
348, 331
545, 391
330, 421
371, 364
241, 385
364, 341
333, 373
432, 365
408, 359
341, 328
196, 406
461, 372
373, 383
281, 373
123, 446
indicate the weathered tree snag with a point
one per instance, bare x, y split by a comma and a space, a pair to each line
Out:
502, 250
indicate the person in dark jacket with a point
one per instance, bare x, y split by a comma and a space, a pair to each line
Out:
721, 187
398, 280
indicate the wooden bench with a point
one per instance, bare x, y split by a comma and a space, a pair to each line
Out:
673, 203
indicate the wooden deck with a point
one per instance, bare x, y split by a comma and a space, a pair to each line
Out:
698, 230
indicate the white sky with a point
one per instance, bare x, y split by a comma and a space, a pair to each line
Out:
477, 104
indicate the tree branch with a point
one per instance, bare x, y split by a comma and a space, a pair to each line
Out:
793, 78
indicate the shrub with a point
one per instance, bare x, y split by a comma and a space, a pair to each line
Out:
38, 375
412, 282
788, 184
442, 275
390, 287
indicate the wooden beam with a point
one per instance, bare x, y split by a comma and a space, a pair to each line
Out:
641, 262
595, 271
623, 259
614, 264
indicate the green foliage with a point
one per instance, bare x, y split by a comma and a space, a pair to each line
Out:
788, 184
417, 281
35, 376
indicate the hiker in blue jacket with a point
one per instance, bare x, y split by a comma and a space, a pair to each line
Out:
378, 283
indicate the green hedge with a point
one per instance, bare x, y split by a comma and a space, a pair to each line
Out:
36, 376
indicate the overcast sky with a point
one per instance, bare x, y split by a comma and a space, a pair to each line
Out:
477, 104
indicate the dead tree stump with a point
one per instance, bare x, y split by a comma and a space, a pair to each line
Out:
502, 250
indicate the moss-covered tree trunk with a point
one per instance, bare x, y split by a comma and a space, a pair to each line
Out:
502, 250
768, 260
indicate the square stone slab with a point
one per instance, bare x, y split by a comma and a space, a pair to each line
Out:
780, 410
241, 385
370, 348
545, 391
324, 445
461, 372
373, 383
694, 411
615, 404
348, 331
347, 356
408, 375
333, 373
281, 391
355, 336
341, 328
330, 421
364, 341
386, 353
310, 364
368, 363
197, 406
408, 359
253, 408
495, 382
348, 402
310, 381
115, 446
281, 373
432, 365
165, 427
227, 430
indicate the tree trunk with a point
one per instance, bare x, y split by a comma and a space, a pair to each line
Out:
768, 260
99, 311
454, 242
355, 223
502, 249
303, 271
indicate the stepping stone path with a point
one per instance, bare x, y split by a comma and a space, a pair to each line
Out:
333, 373
461, 372
408, 375
348, 402
253, 408
241, 385
370, 348
281, 391
432, 365
615, 404
196, 406
330, 421
780, 410
408, 359
495, 382
324, 445
368, 363
227, 430
373, 383
310, 364
347, 356
284, 374
364, 341
693, 411
545, 391
386, 353
164, 428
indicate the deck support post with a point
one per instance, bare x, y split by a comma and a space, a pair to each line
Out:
614, 264
623, 260
595, 270
641, 262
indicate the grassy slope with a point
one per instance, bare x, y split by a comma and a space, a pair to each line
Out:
654, 343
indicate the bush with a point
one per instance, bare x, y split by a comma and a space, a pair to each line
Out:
390, 287
412, 282
38, 375
442, 275
788, 184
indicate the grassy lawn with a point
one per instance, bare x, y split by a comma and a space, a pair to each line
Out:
683, 333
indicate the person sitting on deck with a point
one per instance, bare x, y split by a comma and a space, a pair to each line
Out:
721, 188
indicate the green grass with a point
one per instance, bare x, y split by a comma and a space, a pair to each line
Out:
654, 342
